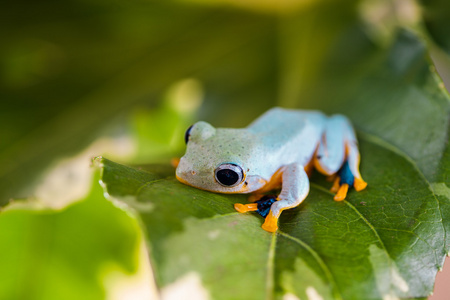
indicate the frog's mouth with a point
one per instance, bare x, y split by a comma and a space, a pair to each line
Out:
249, 185
180, 179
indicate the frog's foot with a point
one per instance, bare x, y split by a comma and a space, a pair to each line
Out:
261, 206
344, 180
335, 188
243, 208
359, 184
341, 193
270, 224
264, 204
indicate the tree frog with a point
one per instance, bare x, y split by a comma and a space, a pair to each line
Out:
279, 149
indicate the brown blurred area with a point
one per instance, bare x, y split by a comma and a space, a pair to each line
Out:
442, 285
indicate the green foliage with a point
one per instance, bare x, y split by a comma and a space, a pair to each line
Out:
62, 254
437, 17
367, 246
116, 69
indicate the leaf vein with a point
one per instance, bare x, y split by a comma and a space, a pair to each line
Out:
371, 138
271, 268
319, 260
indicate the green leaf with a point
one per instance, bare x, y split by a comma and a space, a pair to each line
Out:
386, 241
436, 15
367, 246
66, 254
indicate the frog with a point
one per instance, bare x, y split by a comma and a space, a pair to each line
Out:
280, 149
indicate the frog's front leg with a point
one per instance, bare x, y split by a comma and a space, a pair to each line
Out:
295, 188
338, 154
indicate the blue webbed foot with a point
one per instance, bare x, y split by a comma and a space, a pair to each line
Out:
264, 204
344, 181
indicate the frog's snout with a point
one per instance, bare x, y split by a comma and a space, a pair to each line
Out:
180, 172
185, 173
180, 178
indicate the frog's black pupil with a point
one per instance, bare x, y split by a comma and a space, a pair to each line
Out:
227, 176
187, 134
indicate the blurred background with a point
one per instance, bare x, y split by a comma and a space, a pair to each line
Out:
125, 78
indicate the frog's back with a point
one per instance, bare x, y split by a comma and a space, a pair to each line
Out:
277, 118
290, 134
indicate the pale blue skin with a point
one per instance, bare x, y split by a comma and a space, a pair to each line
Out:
280, 140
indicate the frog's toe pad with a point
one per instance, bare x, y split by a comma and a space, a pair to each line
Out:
335, 187
359, 184
342, 192
264, 205
270, 224
269, 227
243, 208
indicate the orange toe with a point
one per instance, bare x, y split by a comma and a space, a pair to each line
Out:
270, 224
243, 208
359, 184
342, 192
335, 187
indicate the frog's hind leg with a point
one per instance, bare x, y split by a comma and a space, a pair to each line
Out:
353, 159
338, 154
295, 188
330, 154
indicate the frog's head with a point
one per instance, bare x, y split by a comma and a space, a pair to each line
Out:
220, 160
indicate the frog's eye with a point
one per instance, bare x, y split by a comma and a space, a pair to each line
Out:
187, 134
229, 174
